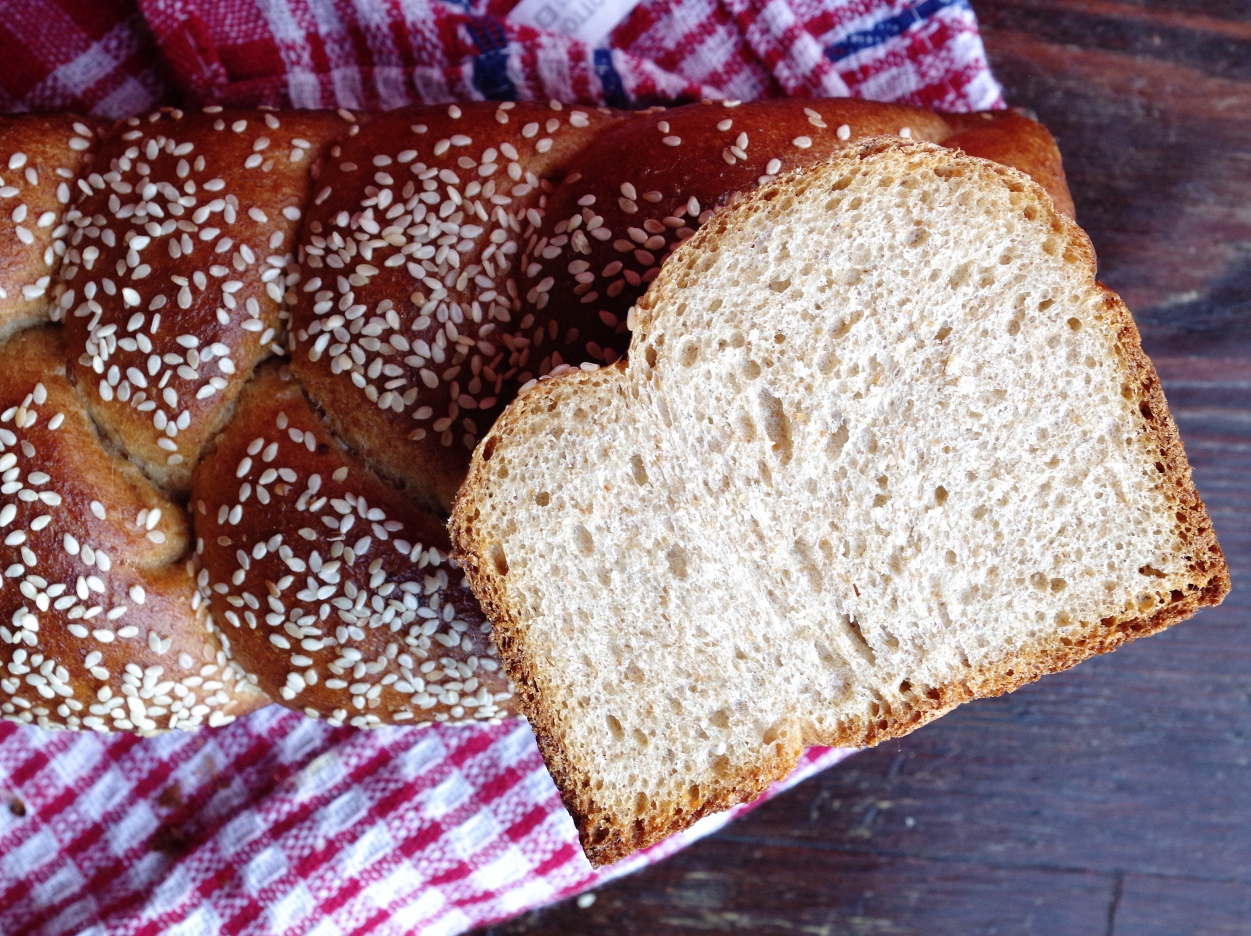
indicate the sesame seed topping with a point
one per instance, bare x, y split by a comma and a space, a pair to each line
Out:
802, 142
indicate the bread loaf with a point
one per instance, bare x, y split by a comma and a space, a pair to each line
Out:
162, 261
881, 445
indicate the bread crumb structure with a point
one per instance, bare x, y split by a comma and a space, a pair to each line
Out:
881, 445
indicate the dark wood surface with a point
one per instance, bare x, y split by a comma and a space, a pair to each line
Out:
1114, 799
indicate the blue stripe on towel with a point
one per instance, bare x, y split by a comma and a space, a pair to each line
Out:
490, 65
888, 28
610, 81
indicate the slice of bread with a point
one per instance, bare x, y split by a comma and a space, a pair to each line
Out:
882, 445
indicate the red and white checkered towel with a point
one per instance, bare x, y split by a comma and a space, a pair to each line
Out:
278, 823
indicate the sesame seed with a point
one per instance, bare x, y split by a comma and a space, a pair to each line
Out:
802, 142
843, 132
672, 141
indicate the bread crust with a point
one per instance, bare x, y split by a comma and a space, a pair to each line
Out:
103, 627
435, 201
177, 269
41, 155
363, 623
606, 839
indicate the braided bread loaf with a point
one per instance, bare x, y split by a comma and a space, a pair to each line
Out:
190, 532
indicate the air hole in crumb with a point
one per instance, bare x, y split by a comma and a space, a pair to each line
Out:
637, 470
751, 370
690, 353
677, 562
488, 449
950, 557
834, 447
1046, 304
640, 804
1014, 327
641, 739
1039, 581
905, 686
615, 727
1075, 324
943, 333
693, 793
1058, 585
582, 536
940, 495
1145, 408
498, 559
650, 354
780, 285
720, 719
542, 498
776, 426
772, 733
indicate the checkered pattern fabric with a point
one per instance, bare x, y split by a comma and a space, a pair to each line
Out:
100, 55
281, 824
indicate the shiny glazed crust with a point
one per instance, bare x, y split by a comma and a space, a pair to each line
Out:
41, 157
333, 590
401, 327
177, 268
104, 627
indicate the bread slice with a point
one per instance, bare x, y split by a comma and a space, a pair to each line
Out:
882, 445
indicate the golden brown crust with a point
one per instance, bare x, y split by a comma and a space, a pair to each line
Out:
606, 839
40, 158
1012, 139
409, 302
334, 590
177, 269
104, 627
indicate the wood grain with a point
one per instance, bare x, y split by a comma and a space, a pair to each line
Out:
1113, 799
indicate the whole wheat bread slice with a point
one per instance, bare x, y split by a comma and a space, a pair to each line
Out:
882, 445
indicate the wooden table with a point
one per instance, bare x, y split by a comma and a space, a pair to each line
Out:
1115, 798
